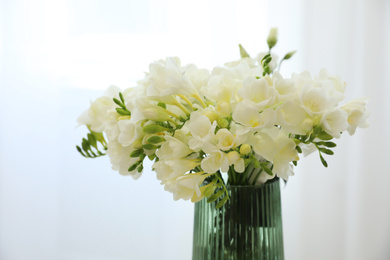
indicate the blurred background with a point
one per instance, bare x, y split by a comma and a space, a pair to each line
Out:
56, 56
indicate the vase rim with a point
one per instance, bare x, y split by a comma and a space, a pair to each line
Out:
272, 181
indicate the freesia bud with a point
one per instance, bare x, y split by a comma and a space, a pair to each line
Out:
243, 52
289, 55
155, 114
272, 37
155, 139
233, 156
137, 144
153, 129
222, 122
245, 149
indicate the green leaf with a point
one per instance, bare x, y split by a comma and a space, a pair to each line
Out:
295, 163
140, 168
221, 202
243, 52
299, 149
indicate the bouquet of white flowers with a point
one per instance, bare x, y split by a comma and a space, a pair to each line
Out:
241, 124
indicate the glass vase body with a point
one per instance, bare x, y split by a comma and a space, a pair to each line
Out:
248, 226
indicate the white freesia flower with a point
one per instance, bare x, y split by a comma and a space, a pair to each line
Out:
335, 122
235, 159
97, 113
129, 132
120, 160
201, 129
173, 148
275, 146
186, 187
225, 139
314, 100
167, 77
172, 168
215, 160
258, 91
248, 114
293, 118
337, 84
357, 114
285, 88
198, 77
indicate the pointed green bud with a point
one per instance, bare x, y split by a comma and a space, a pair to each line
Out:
136, 153
133, 167
155, 139
99, 137
323, 161
161, 104
267, 60
243, 52
140, 168
92, 140
121, 97
154, 129
266, 169
289, 55
149, 146
123, 112
272, 38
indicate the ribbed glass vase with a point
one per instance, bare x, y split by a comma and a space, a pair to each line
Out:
248, 226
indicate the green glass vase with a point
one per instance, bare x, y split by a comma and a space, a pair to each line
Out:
248, 226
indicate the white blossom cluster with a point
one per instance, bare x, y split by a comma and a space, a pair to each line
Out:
232, 125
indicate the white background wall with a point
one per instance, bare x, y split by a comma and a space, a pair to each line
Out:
55, 56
